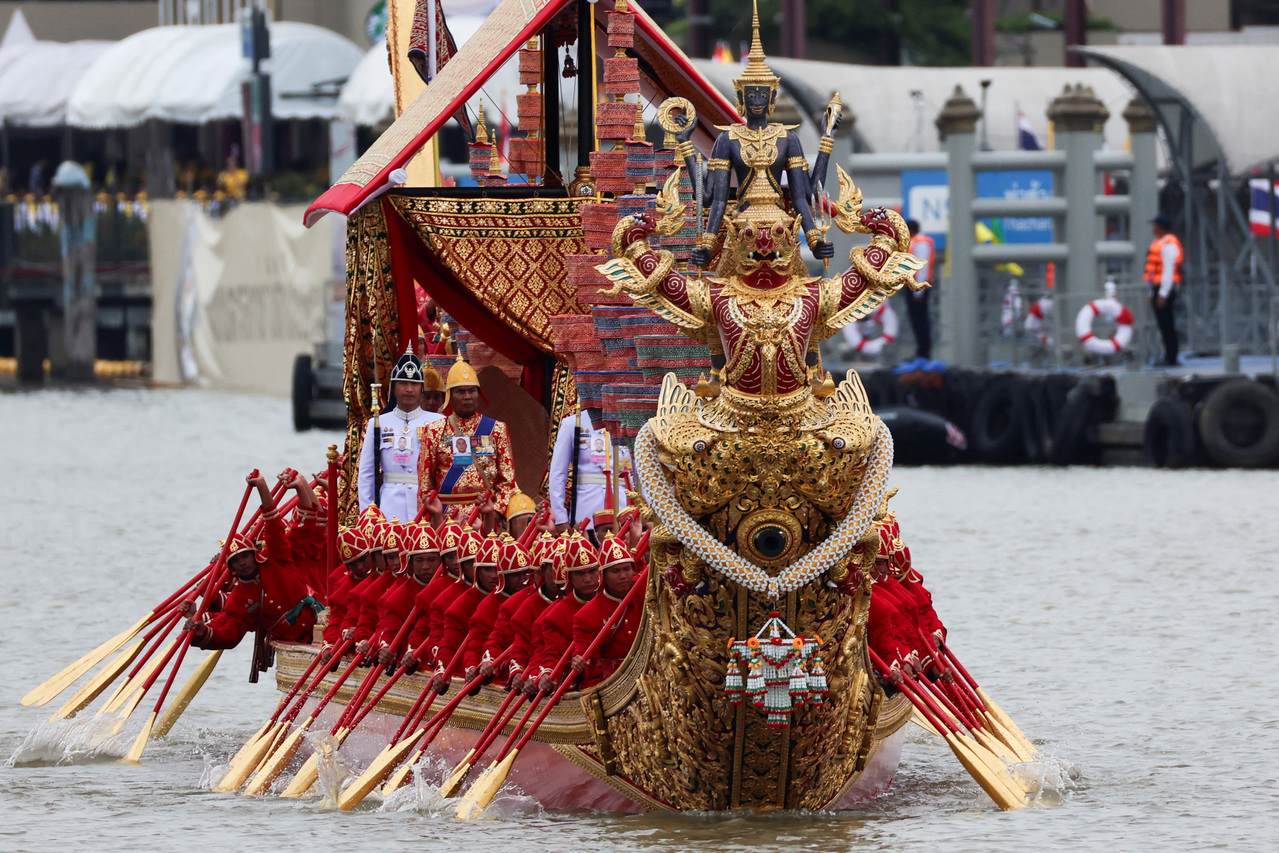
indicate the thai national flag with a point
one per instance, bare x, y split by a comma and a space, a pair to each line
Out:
1260, 214
1026, 139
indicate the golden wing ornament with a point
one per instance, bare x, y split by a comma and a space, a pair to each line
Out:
848, 207
904, 264
624, 276
670, 210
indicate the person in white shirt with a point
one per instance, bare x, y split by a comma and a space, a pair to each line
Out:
400, 441
589, 479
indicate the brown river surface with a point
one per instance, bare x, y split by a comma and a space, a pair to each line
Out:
1124, 617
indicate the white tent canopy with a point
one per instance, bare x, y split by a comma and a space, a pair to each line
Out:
880, 97
37, 77
1233, 90
192, 75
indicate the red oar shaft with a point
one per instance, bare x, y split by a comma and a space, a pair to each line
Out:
293, 691
441, 717
499, 721
357, 698
361, 713
318, 679
341, 679
159, 632
421, 511
930, 711
181, 592
532, 707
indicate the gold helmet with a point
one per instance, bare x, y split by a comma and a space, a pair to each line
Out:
756, 72
520, 504
461, 375
431, 379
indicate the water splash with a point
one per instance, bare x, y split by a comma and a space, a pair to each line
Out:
1048, 778
80, 740
333, 770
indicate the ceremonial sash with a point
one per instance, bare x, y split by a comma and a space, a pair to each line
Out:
456, 470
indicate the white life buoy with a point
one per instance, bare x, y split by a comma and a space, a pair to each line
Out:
1108, 307
886, 319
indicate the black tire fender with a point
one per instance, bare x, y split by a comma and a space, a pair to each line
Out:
1169, 439
1239, 424
999, 422
303, 392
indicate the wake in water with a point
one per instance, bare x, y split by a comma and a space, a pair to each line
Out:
86, 740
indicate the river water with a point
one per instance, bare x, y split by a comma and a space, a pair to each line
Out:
1124, 617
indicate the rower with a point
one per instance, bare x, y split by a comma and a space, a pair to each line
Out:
457, 618
548, 584
582, 565
401, 430
357, 562
589, 480
492, 618
468, 548
420, 554
519, 513
370, 591
619, 575
467, 456
268, 593
450, 537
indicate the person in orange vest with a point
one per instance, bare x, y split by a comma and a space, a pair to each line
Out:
922, 247
1163, 274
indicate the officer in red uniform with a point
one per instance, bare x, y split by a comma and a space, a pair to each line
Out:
492, 619
582, 565
268, 594
457, 618
545, 589
420, 554
618, 573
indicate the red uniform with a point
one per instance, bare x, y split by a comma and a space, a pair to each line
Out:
556, 635
424, 601
263, 604
367, 594
590, 620
526, 631
306, 538
457, 621
928, 620
502, 636
886, 627
393, 609
339, 598
439, 607
481, 626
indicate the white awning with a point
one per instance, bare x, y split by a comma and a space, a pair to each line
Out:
880, 97
1232, 89
37, 77
192, 75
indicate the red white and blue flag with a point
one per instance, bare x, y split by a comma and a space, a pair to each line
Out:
1026, 139
1263, 208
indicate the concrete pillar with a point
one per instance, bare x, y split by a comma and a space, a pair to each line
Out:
1143, 187
1079, 117
960, 341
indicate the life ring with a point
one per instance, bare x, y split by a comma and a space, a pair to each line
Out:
886, 319
1108, 307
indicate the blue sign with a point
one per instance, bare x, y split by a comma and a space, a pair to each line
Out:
926, 198
1015, 185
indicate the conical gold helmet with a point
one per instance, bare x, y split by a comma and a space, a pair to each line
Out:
757, 72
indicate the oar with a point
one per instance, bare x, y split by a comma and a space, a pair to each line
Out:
134, 755
992, 708
395, 751
959, 712
499, 722
143, 665
258, 747
1003, 791
482, 792
100, 682
491, 781
184, 697
283, 754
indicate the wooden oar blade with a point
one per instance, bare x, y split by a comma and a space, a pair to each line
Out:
485, 788
242, 763
275, 764
1007, 722
183, 699
134, 755
457, 777
100, 683
382, 766
131, 692
998, 790
305, 778
401, 774
60, 681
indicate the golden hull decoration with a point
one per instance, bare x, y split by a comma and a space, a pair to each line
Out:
661, 733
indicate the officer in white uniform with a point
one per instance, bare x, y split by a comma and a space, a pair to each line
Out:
401, 428
590, 480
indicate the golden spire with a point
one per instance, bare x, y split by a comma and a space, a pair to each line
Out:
756, 72
481, 130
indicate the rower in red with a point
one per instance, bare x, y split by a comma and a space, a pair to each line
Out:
619, 576
268, 592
